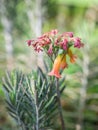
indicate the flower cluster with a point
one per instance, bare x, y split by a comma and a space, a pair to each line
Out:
58, 46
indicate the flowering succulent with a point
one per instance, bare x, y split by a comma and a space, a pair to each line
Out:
57, 46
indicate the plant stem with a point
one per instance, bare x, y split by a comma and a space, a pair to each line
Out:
59, 105
36, 108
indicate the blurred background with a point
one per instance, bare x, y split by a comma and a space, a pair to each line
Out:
21, 20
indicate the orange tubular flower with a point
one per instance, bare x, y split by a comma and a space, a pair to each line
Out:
59, 63
63, 62
72, 56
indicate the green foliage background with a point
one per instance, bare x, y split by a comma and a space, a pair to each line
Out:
78, 16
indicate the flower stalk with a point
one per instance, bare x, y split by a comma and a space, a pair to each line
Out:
59, 105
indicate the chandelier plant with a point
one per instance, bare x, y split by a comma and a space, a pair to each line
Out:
57, 46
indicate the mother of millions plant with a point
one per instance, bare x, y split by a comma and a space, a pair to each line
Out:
33, 99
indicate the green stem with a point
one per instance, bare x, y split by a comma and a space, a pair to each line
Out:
59, 105
36, 107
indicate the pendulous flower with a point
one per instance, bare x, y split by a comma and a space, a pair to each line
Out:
59, 63
63, 62
72, 56
77, 42
50, 50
